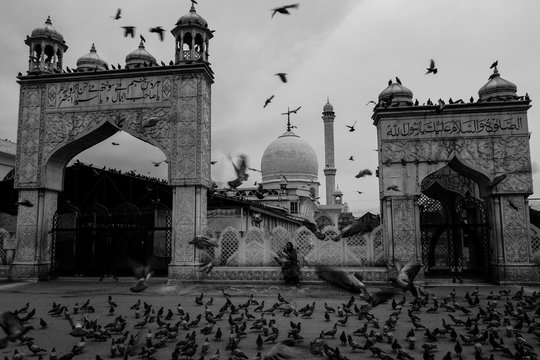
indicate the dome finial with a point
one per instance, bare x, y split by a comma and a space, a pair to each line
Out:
48, 21
93, 48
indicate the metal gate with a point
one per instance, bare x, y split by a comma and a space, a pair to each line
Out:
454, 236
98, 241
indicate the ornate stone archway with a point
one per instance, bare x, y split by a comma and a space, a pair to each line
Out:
486, 141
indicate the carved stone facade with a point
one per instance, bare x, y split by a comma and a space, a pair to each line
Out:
64, 114
479, 149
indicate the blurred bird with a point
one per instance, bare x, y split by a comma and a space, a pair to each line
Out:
267, 101
156, 163
363, 173
203, 243
353, 284
431, 69
295, 110
115, 143
495, 64
284, 9
158, 30
351, 158
241, 174
118, 14
282, 76
351, 128
13, 327
129, 30
393, 187
353, 229
142, 272
25, 202
406, 275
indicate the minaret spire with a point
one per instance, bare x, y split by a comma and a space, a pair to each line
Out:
329, 170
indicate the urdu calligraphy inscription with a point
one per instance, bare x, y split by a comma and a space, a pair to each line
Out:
109, 92
459, 127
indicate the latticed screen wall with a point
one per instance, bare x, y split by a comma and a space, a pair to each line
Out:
256, 249
535, 244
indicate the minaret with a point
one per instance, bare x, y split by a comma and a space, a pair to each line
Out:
329, 166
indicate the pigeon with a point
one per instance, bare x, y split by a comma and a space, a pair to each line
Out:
142, 273
353, 284
284, 9
351, 128
295, 110
282, 76
398, 81
351, 158
353, 229
431, 69
405, 278
158, 30
363, 173
118, 15
25, 202
129, 30
240, 170
13, 326
393, 187
115, 143
203, 243
268, 101
494, 65
156, 163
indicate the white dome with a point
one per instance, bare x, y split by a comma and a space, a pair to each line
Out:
291, 156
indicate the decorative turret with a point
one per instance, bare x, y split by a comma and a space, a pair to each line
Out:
47, 47
395, 94
497, 88
192, 35
140, 57
91, 61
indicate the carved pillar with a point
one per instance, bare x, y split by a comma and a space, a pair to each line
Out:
33, 253
404, 231
189, 218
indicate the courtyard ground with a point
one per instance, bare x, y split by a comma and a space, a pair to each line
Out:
72, 291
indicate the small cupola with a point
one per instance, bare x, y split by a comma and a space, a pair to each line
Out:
192, 36
396, 94
497, 88
91, 61
47, 48
140, 58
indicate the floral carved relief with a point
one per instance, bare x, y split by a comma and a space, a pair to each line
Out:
404, 229
514, 229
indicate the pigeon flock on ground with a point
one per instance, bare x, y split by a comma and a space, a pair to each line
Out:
385, 322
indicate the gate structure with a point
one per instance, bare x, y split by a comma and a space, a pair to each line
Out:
62, 114
454, 182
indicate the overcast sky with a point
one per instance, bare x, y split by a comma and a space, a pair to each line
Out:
346, 50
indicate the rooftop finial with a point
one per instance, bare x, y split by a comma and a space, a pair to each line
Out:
193, 2
93, 48
48, 21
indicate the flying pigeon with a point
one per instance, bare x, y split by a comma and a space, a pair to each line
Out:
284, 9
118, 15
158, 30
241, 174
406, 275
25, 202
431, 69
129, 30
282, 76
363, 173
203, 242
351, 128
268, 101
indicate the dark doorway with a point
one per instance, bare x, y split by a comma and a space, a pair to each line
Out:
454, 234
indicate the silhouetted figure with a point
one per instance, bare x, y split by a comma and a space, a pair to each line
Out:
288, 259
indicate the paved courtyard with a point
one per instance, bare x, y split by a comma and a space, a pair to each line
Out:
72, 291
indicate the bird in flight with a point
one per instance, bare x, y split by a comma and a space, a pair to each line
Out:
142, 38
213, 162
360, 192
150, 122
129, 30
431, 69
25, 202
241, 174
351, 158
117, 15
282, 76
406, 275
351, 128
158, 30
115, 143
353, 284
363, 173
393, 187
268, 101
284, 9
142, 273
156, 163
295, 110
